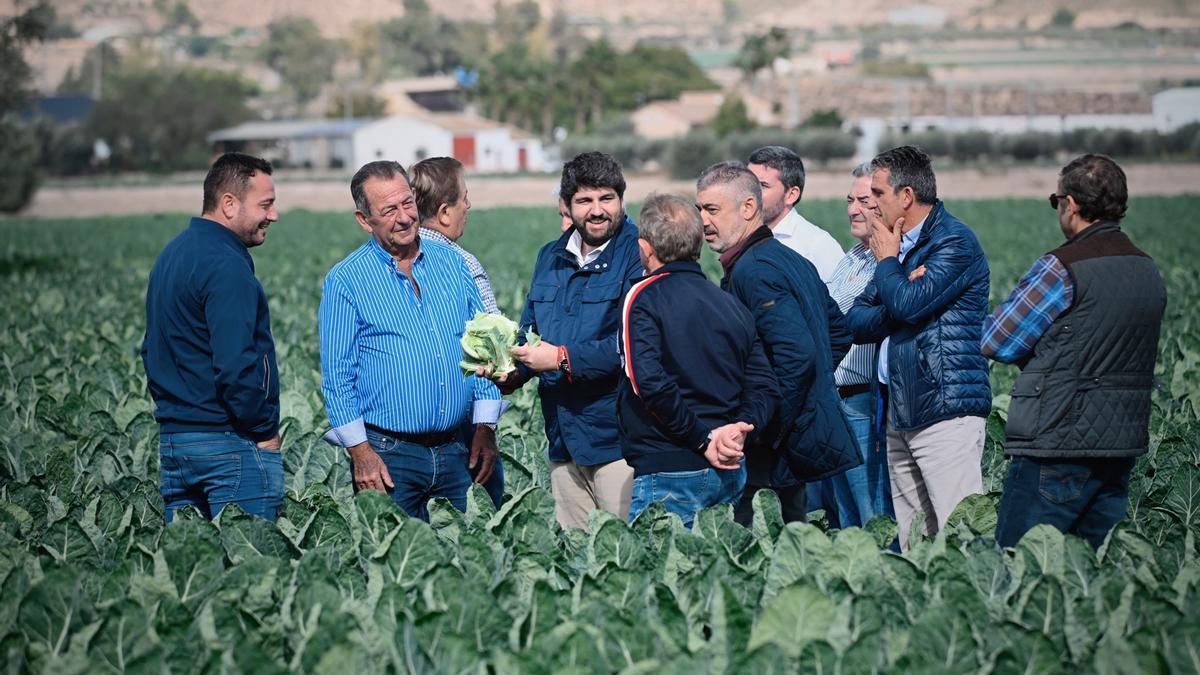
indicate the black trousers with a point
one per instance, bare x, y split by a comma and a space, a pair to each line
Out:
793, 503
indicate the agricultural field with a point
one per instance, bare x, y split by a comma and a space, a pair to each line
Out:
91, 581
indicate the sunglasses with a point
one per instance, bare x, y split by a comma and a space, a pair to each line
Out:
1055, 199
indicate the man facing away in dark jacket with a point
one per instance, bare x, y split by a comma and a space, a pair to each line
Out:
208, 351
803, 336
696, 379
925, 305
574, 304
1083, 324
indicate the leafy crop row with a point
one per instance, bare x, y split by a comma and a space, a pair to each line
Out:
92, 581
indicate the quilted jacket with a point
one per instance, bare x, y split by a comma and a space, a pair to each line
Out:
935, 368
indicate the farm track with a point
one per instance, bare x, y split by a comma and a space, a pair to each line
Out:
486, 192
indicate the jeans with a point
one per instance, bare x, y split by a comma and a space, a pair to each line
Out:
210, 469
1083, 497
420, 473
685, 493
853, 498
495, 483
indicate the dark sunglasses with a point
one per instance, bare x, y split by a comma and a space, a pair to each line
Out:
1055, 199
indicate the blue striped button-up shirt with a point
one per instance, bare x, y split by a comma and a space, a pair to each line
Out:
389, 357
848, 281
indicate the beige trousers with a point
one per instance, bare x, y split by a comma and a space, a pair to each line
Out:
934, 468
578, 490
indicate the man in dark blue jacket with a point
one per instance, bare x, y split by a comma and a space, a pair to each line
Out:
926, 306
696, 379
574, 305
209, 355
802, 332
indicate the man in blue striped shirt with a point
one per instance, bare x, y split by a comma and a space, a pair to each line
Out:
852, 498
391, 316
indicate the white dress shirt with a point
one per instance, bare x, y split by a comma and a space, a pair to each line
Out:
816, 245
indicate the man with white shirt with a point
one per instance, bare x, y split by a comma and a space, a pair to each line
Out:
925, 304
780, 172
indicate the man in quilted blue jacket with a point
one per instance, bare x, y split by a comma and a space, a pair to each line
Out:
925, 308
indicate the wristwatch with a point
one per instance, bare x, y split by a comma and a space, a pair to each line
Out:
564, 362
490, 425
705, 442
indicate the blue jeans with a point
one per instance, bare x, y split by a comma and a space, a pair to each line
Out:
420, 473
685, 493
494, 484
210, 469
853, 498
1084, 497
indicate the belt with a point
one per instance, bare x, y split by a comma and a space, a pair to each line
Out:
429, 440
849, 390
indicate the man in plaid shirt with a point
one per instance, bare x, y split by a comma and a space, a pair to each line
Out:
1083, 325
440, 189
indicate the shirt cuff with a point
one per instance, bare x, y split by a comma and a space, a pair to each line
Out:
488, 411
348, 435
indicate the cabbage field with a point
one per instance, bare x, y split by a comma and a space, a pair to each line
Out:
91, 581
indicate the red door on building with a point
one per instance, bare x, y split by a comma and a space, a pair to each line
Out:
464, 150
522, 159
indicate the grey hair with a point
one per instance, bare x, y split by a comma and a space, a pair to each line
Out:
908, 166
385, 169
861, 170
737, 176
672, 227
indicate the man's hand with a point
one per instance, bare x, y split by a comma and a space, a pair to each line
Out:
273, 444
540, 358
725, 450
885, 238
483, 449
507, 382
370, 473
916, 274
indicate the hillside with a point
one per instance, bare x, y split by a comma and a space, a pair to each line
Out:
219, 17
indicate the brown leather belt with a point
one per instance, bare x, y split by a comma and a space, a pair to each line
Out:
430, 440
853, 390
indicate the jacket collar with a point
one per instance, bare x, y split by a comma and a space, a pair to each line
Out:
677, 267
214, 229
931, 223
1094, 229
729, 258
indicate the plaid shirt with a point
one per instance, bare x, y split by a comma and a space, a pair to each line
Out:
477, 272
1012, 331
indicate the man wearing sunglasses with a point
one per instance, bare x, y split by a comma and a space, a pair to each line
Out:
1083, 325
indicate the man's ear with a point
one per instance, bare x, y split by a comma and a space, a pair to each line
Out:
749, 208
792, 196
362, 220
908, 197
443, 215
230, 206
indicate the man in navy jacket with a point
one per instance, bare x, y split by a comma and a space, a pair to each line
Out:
208, 351
574, 305
696, 379
926, 305
802, 332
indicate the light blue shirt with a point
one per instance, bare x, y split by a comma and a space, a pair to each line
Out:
907, 241
389, 357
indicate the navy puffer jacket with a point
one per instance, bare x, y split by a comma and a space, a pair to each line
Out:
935, 369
